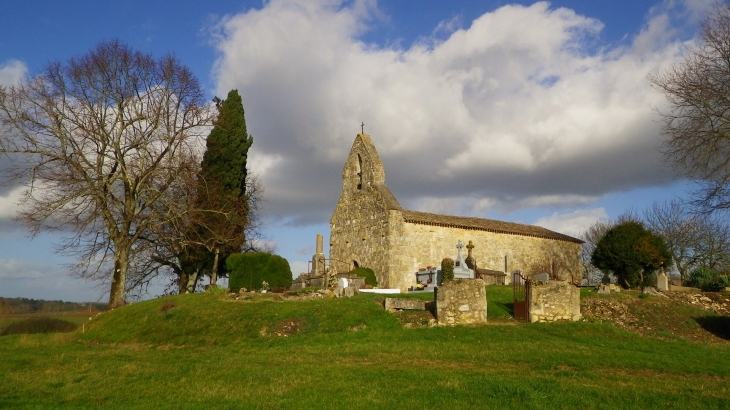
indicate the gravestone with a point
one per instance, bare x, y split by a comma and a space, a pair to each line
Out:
461, 270
542, 277
662, 282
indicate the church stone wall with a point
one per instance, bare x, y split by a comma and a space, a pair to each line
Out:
361, 224
359, 233
368, 228
424, 245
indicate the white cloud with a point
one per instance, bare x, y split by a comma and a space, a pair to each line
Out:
574, 223
9, 202
298, 267
21, 269
11, 72
43, 281
516, 109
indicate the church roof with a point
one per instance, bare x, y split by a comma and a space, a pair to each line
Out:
480, 224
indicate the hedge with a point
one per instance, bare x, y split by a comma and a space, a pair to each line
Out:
249, 270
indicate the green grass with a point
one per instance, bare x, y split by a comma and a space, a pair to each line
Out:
204, 351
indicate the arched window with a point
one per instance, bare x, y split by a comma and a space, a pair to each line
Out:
359, 171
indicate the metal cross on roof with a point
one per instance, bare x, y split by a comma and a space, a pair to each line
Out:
362, 128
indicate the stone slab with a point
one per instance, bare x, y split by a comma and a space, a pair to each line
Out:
404, 304
381, 291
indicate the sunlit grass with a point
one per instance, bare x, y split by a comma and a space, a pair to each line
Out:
203, 351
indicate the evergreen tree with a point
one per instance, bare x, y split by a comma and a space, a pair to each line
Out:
222, 183
632, 253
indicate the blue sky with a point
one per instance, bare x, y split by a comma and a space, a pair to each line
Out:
522, 111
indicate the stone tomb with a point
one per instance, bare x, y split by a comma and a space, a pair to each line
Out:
461, 302
429, 277
461, 270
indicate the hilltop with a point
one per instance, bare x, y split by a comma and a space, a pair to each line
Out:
271, 351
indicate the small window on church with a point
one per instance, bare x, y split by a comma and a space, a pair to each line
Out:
355, 264
359, 171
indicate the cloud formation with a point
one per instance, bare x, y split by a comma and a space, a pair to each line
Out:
519, 109
573, 223
11, 72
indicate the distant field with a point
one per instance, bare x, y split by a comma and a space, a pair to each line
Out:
208, 351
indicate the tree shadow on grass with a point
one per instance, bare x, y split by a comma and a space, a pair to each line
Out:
717, 325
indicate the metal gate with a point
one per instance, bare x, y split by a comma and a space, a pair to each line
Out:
521, 290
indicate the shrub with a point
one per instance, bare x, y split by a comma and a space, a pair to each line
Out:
447, 270
708, 280
39, 325
368, 274
250, 270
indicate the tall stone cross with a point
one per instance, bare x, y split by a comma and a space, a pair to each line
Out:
459, 246
469, 247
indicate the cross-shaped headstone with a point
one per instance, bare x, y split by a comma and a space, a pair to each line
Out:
469, 247
459, 246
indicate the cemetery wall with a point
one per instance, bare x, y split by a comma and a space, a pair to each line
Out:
554, 300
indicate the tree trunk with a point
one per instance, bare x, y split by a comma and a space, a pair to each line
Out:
192, 281
214, 271
182, 283
119, 279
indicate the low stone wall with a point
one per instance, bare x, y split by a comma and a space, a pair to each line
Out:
554, 300
461, 302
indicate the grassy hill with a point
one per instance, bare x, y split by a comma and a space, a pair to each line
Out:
211, 351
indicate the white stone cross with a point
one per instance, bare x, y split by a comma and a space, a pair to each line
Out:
459, 246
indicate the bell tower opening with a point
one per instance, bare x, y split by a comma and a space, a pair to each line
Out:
359, 171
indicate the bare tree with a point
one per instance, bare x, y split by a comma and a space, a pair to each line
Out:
99, 142
694, 239
590, 238
554, 267
696, 124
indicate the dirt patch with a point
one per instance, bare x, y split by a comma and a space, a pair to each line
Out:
415, 318
285, 327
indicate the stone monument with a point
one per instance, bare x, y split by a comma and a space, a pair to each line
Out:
461, 270
318, 260
662, 282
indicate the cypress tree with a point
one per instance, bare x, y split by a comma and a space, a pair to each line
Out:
222, 189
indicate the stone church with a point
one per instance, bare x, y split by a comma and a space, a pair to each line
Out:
370, 229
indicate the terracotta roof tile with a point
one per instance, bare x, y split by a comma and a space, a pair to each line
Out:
480, 224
